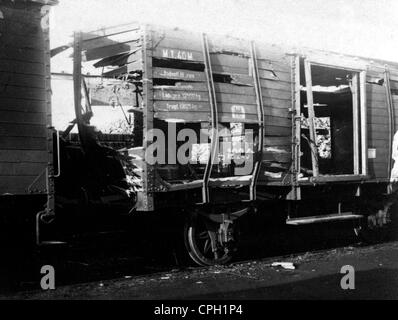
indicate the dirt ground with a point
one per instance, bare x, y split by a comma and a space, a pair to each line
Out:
316, 276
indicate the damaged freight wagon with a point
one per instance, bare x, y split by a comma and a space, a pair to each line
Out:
215, 127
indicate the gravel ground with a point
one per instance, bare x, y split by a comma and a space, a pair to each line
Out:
316, 276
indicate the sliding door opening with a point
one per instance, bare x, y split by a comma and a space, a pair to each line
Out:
330, 121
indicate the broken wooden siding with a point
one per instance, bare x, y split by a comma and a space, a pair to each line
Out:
188, 99
24, 66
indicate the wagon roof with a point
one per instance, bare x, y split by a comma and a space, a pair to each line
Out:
356, 60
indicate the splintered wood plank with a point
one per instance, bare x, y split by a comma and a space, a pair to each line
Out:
276, 66
178, 74
110, 50
120, 59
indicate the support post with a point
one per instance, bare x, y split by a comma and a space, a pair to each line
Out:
214, 120
311, 117
261, 122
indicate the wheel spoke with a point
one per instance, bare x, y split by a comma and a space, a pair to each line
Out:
207, 246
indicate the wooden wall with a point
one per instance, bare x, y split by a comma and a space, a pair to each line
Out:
236, 98
23, 99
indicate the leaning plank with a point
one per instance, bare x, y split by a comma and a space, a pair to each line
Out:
111, 50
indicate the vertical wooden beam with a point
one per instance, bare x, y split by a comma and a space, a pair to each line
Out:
77, 75
364, 125
214, 120
297, 124
355, 117
311, 117
391, 121
146, 202
261, 123
50, 172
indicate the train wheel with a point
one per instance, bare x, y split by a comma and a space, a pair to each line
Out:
206, 242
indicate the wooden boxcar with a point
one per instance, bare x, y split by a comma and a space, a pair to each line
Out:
26, 139
312, 129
